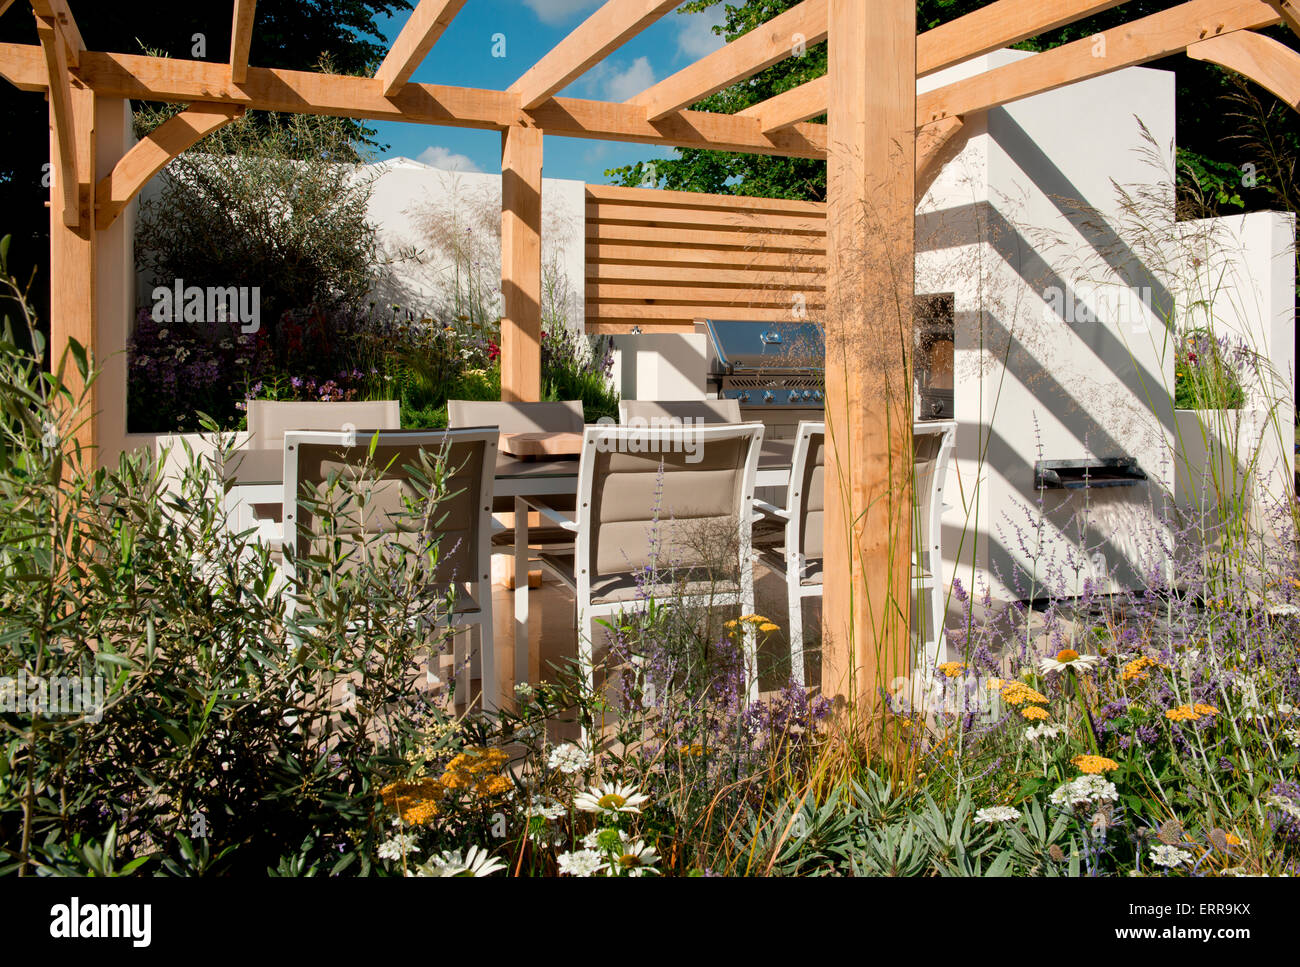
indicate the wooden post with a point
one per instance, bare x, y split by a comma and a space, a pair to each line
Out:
871, 239
521, 263
73, 296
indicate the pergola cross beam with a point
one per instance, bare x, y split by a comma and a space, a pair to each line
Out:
765, 45
611, 26
426, 24
241, 39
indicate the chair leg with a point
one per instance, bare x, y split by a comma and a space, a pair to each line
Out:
794, 602
936, 613
521, 592
460, 664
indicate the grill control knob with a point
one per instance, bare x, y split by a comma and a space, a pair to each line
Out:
807, 394
817, 395
744, 396
768, 396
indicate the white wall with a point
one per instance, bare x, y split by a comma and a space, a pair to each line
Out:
1027, 209
414, 205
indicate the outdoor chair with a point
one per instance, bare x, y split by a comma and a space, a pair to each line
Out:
797, 557
657, 412
645, 497
394, 511
267, 422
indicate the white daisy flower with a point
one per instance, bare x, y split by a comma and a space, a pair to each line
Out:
997, 814
476, 862
637, 859
568, 758
1068, 659
583, 862
611, 798
1170, 856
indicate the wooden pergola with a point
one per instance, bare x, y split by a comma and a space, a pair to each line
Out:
883, 142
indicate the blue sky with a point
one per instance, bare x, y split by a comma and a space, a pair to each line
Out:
463, 57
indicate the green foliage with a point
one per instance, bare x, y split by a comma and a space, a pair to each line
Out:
273, 205
238, 721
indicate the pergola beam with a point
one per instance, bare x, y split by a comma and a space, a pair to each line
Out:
189, 81
1271, 65
800, 103
426, 24
995, 26
57, 12
613, 25
987, 29
63, 125
153, 152
744, 57
1288, 13
241, 39
1150, 38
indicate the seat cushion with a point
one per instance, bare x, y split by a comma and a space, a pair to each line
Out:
630, 586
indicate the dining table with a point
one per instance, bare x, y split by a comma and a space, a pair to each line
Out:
255, 498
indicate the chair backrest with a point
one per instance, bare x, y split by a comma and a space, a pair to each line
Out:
806, 496
461, 518
932, 444
661, 413
269, 419
528, 417
672, 497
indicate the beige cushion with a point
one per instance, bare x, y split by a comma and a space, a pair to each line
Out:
268, 419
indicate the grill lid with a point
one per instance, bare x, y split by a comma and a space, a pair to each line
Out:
745, 345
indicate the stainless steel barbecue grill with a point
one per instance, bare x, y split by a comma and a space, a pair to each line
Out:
775, 370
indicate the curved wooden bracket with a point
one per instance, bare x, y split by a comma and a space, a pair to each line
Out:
1288, 11
936, 145
152, 154
1269, 64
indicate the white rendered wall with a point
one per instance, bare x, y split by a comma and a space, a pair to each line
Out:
1027, 209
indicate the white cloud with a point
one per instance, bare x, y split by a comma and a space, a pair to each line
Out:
558, 11
695, 36
439, 157
610, 81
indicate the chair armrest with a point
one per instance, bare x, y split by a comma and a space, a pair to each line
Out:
771, 510
550, 513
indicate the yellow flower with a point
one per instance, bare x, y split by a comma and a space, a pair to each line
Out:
768, 627
1017, 693
1202, 709
1136, 670
994, 684
952, 668
1094, 764
492, 787
415, 801
1183, 713
1034, 713
1232, 839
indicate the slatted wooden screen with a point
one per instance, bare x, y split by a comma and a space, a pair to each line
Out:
662, 259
